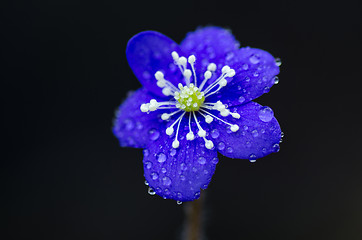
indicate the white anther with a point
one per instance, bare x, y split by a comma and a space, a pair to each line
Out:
208, 119
175, 56
165, 116
175, 143
167, 91
192, 59
231, 73
182, 61
161, 83
159, 76
224, 112
225, 69
201, 133
169, 130
190, 136
144, 107
234, 128
235, 115
211, 67
207, 75
209, 144
187, 73
153, 105
223, 82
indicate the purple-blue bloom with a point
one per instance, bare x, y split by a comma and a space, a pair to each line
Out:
196, 100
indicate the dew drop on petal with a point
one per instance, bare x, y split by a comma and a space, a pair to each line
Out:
276, 80
266, 114
201, 160
178, 202
241, 99
151, 192
148, 165
252, 158
215, 160
154, 176
245, 66
146, 152
278, 62
182, 178
172, 152
166, 181
229, 150
221, 146
276, 147
255, 133
254, 59
161, 157
153, 134
163, 170
179, 195
146, 183
215, 133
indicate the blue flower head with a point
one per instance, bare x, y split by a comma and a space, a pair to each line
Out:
196, 100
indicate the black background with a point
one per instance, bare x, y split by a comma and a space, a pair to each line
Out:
64, 72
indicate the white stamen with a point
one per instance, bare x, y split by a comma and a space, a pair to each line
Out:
234, 128
235, 115
187, 75
190, 136
201, 131
159, 76
208, 144
169, 130
182, 61
175, 56
208, 119
167, 91
176, 143
191, 61
211, 67
225, 69
144, 107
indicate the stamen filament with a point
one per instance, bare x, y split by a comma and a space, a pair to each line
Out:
232, 126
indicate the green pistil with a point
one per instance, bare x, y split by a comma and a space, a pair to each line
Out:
190, 98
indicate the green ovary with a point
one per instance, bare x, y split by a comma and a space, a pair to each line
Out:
191, 100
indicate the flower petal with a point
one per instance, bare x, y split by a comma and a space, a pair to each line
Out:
209, 45
132, 127
149, 52
255, 75
179, 173
259, 133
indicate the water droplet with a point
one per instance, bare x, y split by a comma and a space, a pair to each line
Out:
154, 176
197, 194
206, 172
266, 114
179, 202
229, 150
245, 127
281, 134
241, 99
148, 165
276, 80
215, 160
146, 152
254, 59
255, 133
139, 125
276, 147
252, 158
245, 66
183, 166
151, 192
221, 146
201, 160
146, 183
129, 124
179, 195
153, 134
163, 170
215, 133
266, 89
264, 149
256, 74
161, 157
166, 181
278, 62
182, 177
172, 152
194, 169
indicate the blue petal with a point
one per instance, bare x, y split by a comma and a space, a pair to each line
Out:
259, 133
255, 75
149, 52
134, 128
209, 45
180, 173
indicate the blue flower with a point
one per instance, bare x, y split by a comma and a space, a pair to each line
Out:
196, 100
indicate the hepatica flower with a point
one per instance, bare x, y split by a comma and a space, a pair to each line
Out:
195, 101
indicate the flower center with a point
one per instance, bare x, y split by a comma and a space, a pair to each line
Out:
189, 97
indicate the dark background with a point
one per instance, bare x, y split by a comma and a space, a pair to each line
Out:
64, 72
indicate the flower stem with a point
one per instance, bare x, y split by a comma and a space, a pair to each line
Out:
193, 226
